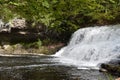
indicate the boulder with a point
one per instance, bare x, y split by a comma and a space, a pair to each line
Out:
18, 23
6, 47
103, 70
18, 46
113, 69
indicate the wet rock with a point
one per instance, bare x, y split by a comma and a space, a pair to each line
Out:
103, 70
113, 69
112, 66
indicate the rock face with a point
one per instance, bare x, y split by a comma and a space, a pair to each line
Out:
16, 31
15, 23
18, 23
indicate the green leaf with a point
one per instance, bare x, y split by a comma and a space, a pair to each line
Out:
45, 4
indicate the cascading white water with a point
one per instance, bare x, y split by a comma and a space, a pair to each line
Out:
91, 46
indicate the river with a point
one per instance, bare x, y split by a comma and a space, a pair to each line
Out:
79, 60
36, 67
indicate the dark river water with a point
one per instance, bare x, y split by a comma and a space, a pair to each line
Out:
34, 67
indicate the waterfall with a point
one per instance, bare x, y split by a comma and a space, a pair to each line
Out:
89, 47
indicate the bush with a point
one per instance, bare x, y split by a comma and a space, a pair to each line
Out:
36, 44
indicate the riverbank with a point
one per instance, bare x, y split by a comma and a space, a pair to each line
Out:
20, 49
25, 41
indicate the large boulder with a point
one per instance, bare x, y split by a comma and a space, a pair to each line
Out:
113, 67
18, 23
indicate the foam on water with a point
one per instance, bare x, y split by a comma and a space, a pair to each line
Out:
92, 46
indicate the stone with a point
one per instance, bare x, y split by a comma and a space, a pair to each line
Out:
18, 46
7, 49
113, 69
103, 70
18, 23
6, 46
20, 51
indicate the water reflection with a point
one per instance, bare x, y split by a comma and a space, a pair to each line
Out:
29, 67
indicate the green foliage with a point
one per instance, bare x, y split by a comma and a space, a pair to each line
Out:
36, 44
5, 12
39, 43
110, 77
63, 16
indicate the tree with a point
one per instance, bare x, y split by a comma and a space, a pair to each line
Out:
62, 17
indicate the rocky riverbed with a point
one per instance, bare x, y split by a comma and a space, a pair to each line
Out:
20, 49
112, 67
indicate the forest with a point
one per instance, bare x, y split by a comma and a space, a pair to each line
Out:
60, 18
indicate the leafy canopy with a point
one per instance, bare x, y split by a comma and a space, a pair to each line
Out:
62, 16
